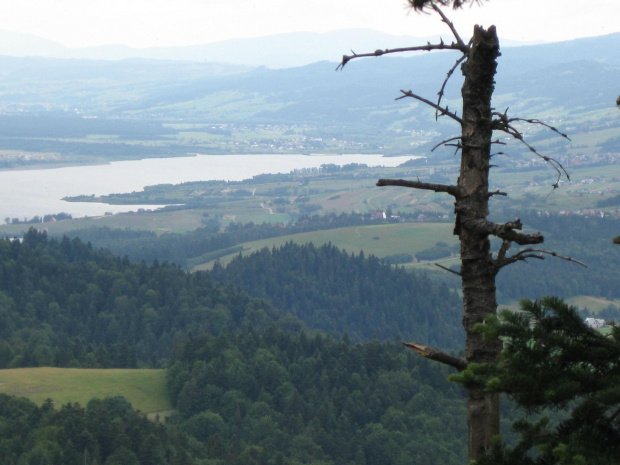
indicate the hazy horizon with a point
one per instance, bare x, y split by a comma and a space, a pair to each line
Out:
163, 23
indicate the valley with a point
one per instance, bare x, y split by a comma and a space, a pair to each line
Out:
261, 314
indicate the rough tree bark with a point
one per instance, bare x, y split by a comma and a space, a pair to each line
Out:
479, 266
472, 205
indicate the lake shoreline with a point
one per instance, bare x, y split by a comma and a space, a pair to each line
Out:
41, 165
38, 192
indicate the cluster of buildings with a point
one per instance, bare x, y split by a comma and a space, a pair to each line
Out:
615, 214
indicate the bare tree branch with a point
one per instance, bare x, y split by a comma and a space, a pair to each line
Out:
557, 166
445, 82
418, 48
506, 231
464, 49
443, 111
502, 261
547, 252
448, 269
501, 254
530, 121
445, 19
497, 192
445, 142
503, 123
459, 45
449, 189
433, 354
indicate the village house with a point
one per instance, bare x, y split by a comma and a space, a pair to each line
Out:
595, 323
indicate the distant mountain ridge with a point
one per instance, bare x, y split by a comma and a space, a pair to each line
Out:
568, 83
274, 51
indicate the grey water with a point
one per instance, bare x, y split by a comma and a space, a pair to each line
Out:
38, 192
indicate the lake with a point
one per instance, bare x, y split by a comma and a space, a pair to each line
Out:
29, 193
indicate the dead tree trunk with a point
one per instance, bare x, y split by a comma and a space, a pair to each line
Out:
471, 206
479, 266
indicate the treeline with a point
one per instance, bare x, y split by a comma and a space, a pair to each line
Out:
106, 432
37, 219
584, 238
62, 303
278, 398
334, 291
63, 126
588, 239
192, 248
107, 150
439, 250
613, 201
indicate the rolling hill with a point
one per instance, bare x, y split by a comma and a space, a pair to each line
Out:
569, 76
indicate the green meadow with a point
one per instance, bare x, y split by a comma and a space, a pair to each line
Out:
381, 240
145, 389
594, 304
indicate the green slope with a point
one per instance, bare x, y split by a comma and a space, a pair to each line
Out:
145, 389
380, 240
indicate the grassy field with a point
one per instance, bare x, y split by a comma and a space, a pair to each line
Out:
526, 190
145, 389
380, 240
594, 304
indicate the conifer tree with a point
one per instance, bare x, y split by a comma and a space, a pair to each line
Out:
478, 121
552, 360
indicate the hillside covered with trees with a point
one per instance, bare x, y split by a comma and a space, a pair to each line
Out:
337, 292
284, 398
585, 238
62, 303
250, 384
65, 304
105, 431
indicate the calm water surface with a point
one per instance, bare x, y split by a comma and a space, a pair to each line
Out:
26, 193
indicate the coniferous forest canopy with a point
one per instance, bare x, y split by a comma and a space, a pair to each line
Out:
236, 363
66, 304
106, 431
568, 235
252, 383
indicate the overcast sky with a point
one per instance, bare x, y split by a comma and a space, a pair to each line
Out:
148, 23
